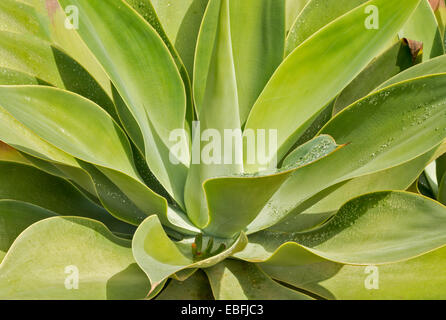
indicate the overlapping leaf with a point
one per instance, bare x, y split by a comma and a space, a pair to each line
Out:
376, 228
45, 260
309, 78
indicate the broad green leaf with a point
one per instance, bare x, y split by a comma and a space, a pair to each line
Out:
293, 9
390, 63
234, 202
257, 38
326, 203
45, 259
145, 76
14, 77
442, 189
423, 26
10, 154
16, 216
196, 287
377, 228
421, 277
432, 66
405, 120
310, 78
239, 47
237, 280
216, 102
49, 65
25, 53
440, 14
19, 17
147, 11
181, 20
23, 139
93, 136
25, 183
128, 200
431, 175
53, 19
160, 257
316, 15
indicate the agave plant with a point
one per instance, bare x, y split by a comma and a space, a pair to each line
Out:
105, 104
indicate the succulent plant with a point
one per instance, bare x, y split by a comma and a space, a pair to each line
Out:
222, 149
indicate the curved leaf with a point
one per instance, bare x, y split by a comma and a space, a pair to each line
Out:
160, 257
313, 78
196, 287
376, 228
293, 9
44, 260
84, 131
432, 66
28, 184
145, 76
20, 17
405, 120
423, 276
16, 216
49, 65
52, 18
237, 280
181, 19
10, 154
239, 47
316, 15
423, 26
234, 202
326, 203
390, 63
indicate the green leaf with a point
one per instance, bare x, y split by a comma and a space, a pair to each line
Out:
216, 102
14, 77
28, 184
293, 9
316, 15
160, 257
405, 120
442, 189
94, 136
45, 258
423, 26
128, 200
50, 66
440, 14
239, 47
52, 18
312, 78
390, 63
146, 77
432, 66
10, 154
25, 53
326, 203
20, 17
196, 287
147, 11
23, 139
377, 228
237, 280
181, 20
16, 216
423, 276
234, 202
